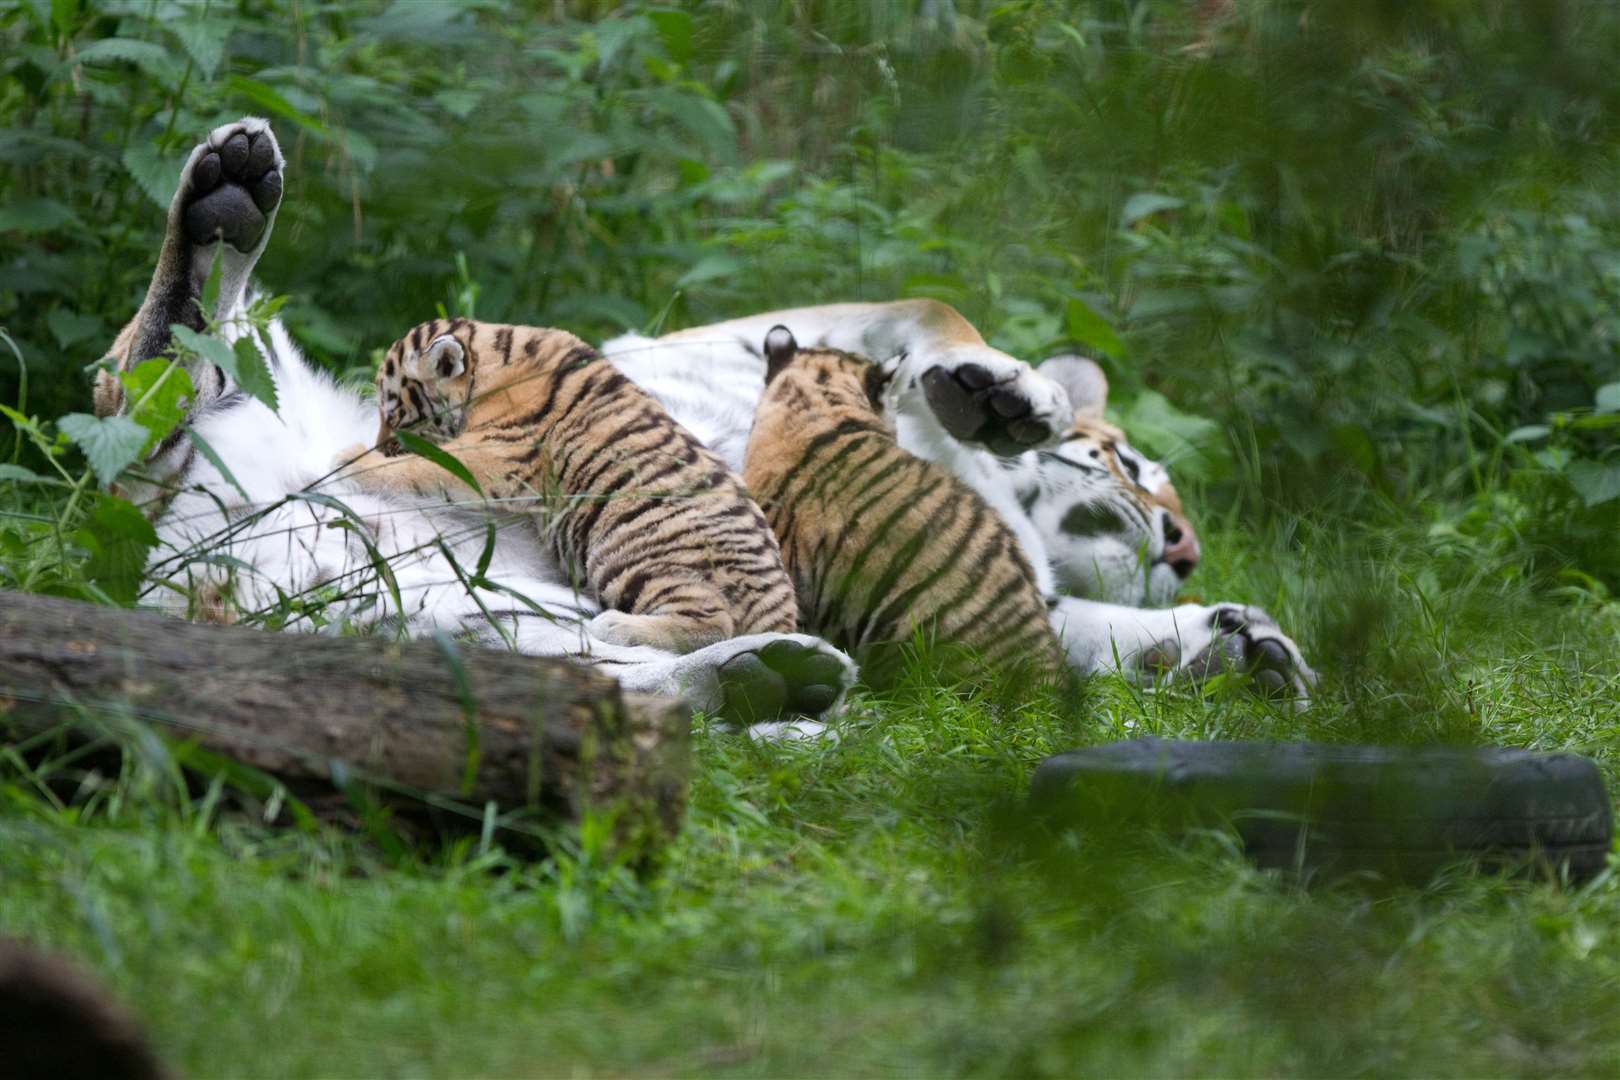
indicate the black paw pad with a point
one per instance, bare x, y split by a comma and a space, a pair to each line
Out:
751, 691
973, 407
782, 679
1270, 655
1270, 665
1161, 657
974, 376
1267, 660
232, 191
1009, 405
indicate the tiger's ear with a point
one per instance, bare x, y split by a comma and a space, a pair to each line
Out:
780, 348
1082, 380
444, 359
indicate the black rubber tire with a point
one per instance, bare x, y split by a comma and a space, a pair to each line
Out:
1402, 812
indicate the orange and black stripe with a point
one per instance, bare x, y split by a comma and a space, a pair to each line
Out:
879, 543
655, 522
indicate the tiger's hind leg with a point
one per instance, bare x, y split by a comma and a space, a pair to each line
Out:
795, 676
229, 191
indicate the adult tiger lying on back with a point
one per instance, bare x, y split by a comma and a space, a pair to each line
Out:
879, 543
255, 525
661, 530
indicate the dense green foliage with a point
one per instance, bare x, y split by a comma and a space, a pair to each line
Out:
1370, 251
1377, 243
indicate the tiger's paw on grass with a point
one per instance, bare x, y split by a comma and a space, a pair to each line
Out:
1243, 640
786, 678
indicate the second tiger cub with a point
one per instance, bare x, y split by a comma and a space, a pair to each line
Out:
662, 531
880, 543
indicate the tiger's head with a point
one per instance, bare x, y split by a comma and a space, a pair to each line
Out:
838, 378
1112, 521
425, 382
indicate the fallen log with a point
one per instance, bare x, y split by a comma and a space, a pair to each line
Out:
433, 717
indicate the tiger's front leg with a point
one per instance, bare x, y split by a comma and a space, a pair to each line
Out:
228, 195
980, 396
1189, 641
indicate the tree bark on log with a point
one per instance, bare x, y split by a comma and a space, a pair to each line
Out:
468, 724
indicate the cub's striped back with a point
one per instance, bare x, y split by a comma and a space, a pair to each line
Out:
663, 532
878, 542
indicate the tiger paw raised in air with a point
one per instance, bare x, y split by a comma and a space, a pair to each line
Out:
229, 191
231, 186
982, 396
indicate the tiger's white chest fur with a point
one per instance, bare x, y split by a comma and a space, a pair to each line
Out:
711, 387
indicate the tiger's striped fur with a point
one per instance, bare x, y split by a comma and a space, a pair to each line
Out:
878, 542
662, 531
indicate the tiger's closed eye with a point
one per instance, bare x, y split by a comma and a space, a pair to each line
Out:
1132, 469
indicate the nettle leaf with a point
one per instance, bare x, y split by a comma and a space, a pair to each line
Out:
70, 327
252, 373
111, 444
675, 31
273, 101
205, 346
706, 120
63, 15
1089, 328
151, 58
1594, 481
18, 475
709, 268
36, 216
243, 362
1528, 433
444, 460
157, 389
1189, 445
1146, 204
153, 173
119, 539
210, 290
204, 40
459, 102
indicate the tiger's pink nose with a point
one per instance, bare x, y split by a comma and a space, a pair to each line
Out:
1180, 545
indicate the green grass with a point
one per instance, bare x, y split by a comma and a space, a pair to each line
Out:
881, 905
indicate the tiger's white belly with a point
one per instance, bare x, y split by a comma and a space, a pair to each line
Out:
710, 387
280, 537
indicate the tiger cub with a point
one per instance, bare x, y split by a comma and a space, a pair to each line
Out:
879, 542
663, 532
